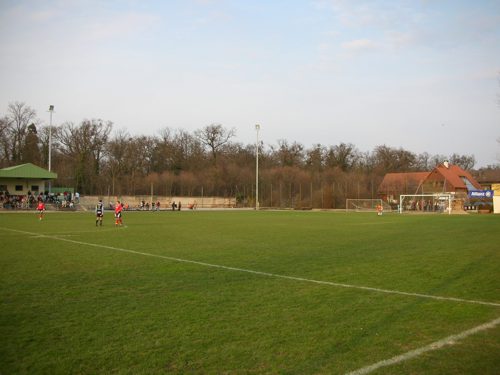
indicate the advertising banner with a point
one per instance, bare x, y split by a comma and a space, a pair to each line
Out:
481, 194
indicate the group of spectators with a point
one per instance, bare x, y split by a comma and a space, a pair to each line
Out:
19, 202
426, 205
146, 206
30, 200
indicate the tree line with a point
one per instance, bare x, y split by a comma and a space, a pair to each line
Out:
93, 159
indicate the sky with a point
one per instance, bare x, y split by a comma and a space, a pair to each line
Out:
423, 75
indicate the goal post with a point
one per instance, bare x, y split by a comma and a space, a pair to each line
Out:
425, 203
365, 205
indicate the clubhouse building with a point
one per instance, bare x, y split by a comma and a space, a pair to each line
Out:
444, 179
25, 178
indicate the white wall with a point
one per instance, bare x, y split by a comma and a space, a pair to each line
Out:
26, 184
496, 204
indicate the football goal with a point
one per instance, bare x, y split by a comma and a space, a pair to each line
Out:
365, 205
425, 203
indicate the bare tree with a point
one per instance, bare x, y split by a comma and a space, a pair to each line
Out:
390, 159
423, 161
215, 136
344, 155
177, 151
288, 155
4, 142
19, 117
84, 147
314, 158
188, 152
116, 157
465, 162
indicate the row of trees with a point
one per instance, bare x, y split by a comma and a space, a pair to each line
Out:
91, 158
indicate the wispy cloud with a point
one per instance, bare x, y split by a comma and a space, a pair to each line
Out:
359, 45
44, 15
381, 15
398, 39
118, 25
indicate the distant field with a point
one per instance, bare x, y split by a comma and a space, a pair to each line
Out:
245, 292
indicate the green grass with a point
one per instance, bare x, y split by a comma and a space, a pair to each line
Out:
67, 307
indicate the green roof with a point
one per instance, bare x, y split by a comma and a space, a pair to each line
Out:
27, 170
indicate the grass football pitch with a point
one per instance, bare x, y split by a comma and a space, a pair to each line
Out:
245, 292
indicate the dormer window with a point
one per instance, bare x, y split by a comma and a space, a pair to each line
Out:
467, 183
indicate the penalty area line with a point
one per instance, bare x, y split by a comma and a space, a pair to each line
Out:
448, 341
268, 274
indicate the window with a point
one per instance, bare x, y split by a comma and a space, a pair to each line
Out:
467, 183
19, 187
34, 188
3, 187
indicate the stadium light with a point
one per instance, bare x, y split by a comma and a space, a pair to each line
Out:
257, 128
51, 111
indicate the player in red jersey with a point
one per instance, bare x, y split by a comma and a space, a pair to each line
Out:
118, 213
41, 209
380, 210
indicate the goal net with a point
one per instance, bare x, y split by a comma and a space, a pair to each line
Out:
365, 205
425, 203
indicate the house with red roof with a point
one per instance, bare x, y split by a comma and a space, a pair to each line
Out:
445, 178
448, 178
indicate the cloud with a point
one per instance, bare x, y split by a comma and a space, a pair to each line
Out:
359, 45
397, 39
43, 15
119, 25
369, 14
364, 26
213, 18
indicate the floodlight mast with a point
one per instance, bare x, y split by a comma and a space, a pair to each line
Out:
51, 111
257, 128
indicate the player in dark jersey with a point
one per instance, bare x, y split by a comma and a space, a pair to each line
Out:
99, 213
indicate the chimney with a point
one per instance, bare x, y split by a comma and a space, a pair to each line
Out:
446, 163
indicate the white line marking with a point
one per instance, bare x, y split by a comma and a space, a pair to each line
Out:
378, 290
371, 223
450, 340
100, 229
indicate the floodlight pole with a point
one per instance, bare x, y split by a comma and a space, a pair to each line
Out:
51, 111
257, 128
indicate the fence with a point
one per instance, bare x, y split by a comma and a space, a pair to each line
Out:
280, 195
142, 202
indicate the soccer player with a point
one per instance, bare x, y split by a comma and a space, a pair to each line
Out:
380, 210
118, 213
99, 213
41, 209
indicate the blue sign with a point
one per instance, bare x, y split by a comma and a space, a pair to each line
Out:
481, 194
